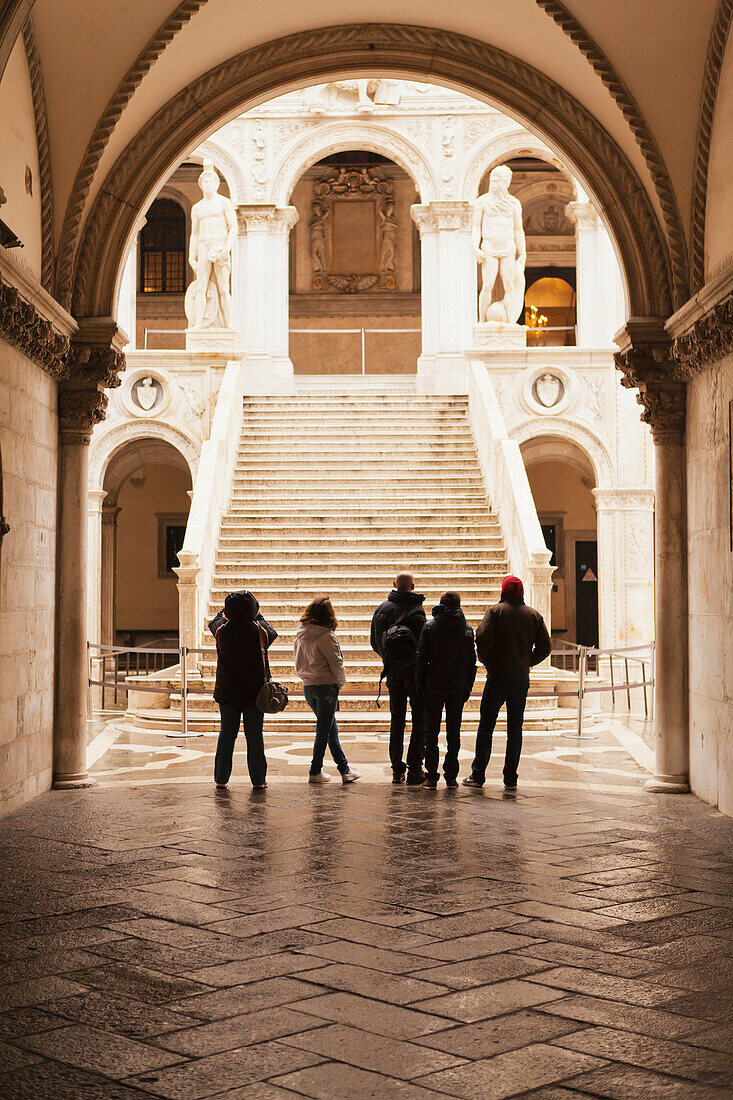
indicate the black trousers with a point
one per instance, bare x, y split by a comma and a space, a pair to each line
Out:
496, 693
453, 701
401, 687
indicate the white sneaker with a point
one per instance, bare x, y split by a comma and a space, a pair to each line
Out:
320, 778
350, 776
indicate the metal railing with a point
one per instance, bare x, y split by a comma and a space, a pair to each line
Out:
643, 654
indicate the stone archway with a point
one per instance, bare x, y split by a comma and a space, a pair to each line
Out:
88, 278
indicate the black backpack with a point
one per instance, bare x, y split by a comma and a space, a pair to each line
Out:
399, 648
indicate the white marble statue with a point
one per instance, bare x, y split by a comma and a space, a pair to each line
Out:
500, 248
388, 245
213, 233
319, 250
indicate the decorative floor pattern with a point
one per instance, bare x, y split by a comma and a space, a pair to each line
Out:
161, 940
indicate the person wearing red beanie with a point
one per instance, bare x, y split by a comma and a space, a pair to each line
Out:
511, 639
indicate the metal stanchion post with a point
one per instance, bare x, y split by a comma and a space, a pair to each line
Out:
581, 688
643, 680
184, 691
90, 676
653, 661
628, 689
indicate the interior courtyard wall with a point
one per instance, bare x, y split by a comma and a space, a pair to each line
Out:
28, 429
145, 601
22, 208
710, 574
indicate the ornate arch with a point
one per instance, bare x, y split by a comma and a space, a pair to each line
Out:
228, 165
388, 50
500, 148
568, 430
336, 137
106, 444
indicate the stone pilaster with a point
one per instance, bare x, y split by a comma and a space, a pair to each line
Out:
448, 294
599, 290
645, 360
263, 294
95, 360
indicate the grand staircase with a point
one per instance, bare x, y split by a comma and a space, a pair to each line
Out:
334, 493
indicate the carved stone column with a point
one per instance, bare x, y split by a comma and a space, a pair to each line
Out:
599, 310
94, 362
625, 550
448, 293
95, 498
108, 574
646, 363
264, 231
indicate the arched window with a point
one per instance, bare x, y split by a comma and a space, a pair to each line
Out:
163, 249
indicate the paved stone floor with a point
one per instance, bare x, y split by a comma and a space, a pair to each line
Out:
159, 939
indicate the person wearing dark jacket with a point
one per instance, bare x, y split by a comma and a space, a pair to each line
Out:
403, 608
240, 631
446, 670
511, 639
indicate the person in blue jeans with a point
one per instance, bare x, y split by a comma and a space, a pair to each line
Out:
511, 639
240, 632
320, 665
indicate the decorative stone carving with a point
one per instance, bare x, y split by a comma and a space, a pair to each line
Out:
93, 368
549, 390
146, 393
26, 329
213, 232
353, 184
646, 363
709, 339
499, 244
437, 216
362, 96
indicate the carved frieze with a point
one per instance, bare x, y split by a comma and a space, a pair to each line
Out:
26, 329
709, 339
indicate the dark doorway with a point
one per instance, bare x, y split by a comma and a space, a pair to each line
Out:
586, 592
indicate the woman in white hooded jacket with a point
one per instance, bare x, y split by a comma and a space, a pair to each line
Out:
320, 665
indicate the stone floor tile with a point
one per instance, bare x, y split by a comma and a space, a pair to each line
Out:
336, 1081
628, 1017
395, 989
166, 931
235, 1000
392, 1057
716, 1038
630, 1083
63, 1082
261, 1090
137, 982
532, 930
579, 918
394, 1021
36, 992
485, 1038
481, 971
466, 924
652, 908
190, 891
706, 975
700, 922
608, 986
623, 966
636, 891
361, 954
27, 1021
253, 924
370, 933
13, 1057
241, 971
231, 1032
676, 1059
510, 1074
91, 1049
484, 1001
471, 947
678, 952
221, 1073
705, 1006
121, 1015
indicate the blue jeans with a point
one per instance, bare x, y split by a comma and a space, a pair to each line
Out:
256, 762
323, 701
496, 693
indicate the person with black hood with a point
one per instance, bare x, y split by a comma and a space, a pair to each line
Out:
511, 639
446, 670
242, 639
396, 627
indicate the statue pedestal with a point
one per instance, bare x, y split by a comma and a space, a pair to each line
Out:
499, 334
212, 339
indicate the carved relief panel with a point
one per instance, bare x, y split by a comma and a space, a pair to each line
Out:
353, 231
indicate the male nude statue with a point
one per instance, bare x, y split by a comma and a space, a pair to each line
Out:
213, 232
500, 248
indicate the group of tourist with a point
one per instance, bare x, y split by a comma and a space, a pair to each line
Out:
430, 663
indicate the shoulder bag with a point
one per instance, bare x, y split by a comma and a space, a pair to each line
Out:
272, 696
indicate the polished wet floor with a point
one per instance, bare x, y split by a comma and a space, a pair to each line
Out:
159, 939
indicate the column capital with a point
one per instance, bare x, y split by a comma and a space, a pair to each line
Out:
624, 499
646, 361
96, 499
94, 363
584, 214
434, 217
265, 217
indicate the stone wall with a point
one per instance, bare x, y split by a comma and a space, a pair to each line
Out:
710, 573
28, 436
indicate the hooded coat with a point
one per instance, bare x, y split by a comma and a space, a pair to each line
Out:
240, 671
512, 637
446, 657
406, 606
317, 655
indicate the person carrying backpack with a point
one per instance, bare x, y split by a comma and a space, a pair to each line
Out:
446, 670
396, 627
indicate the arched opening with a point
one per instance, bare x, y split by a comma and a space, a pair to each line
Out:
562, 480
354, 268
549, 310
144, 514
